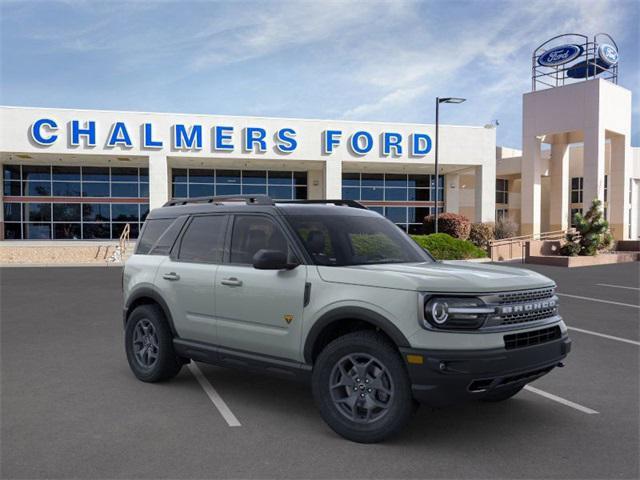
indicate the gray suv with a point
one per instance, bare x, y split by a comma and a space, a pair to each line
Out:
335, 294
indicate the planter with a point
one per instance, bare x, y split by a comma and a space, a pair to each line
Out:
586, 261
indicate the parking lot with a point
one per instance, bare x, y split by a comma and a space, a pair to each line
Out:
72, 408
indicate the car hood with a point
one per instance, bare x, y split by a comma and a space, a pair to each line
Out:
447, 277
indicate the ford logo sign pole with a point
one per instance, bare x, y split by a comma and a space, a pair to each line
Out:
438, 102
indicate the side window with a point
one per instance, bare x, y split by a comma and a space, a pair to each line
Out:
252, 233
203, 240
152, 230
168, 238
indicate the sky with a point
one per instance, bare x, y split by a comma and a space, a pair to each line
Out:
345, 60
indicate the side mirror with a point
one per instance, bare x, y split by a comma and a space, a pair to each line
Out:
272, 260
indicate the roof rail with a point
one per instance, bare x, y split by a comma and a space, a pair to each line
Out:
345, 203
248, 199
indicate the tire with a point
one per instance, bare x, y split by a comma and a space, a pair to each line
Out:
502, 394
147, 331
369, 409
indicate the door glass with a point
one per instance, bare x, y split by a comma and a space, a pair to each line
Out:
252, 233
203, 241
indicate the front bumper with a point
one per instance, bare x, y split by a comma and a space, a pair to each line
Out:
446, 377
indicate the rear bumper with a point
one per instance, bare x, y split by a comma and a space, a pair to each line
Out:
452, 376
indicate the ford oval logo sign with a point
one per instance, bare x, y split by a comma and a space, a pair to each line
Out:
608, 54
560, 55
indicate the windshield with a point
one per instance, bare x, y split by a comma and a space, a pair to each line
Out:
342, 240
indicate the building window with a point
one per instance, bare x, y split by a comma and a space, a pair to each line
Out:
77, 202
279, 185
573, 212
502, 191
576, 189
372, 188
502, 214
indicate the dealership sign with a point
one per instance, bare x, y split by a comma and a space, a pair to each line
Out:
608, 54
560, 55
222, 138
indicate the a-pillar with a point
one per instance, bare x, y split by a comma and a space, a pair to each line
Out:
485, 192
531, 185
158, 180
618, 191
559, 169
333, 179
593, 166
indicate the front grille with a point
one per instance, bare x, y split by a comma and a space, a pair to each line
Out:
528, 339
525, 295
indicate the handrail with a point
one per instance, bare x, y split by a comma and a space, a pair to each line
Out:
124, 238
538, 236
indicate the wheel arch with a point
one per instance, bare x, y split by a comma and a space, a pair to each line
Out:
148, 296
344, 320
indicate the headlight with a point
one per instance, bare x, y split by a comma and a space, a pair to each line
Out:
456, 312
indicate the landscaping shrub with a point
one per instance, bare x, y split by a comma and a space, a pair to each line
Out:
481, 234
458, 226
505, 228
592, 233
445, 247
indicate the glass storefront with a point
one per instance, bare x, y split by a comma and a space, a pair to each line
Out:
77, 202
382, 188
198, 182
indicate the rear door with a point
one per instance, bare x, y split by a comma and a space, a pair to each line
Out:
187, 277
259, 311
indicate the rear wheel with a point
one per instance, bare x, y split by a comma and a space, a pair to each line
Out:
149, 345
361, 387
502, 394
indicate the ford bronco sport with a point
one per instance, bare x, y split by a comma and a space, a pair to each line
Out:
335, 293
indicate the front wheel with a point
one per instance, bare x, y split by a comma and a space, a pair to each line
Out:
361, 387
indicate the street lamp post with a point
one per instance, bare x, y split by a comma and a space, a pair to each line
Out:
438, 102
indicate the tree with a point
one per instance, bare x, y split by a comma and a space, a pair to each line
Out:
592, 233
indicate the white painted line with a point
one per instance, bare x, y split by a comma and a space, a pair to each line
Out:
610, 337
214, 396
616, 286
561, 400
598, 300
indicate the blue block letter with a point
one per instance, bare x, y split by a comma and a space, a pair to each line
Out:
36, 131
392, 140
183, 139
147, 138
119, 136
222, 136
355, 142
331, 140
286, 142
253, 136
89, 131
421, 144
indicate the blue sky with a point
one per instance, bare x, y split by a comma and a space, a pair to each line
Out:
368, 60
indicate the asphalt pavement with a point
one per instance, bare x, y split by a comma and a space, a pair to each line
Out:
70, 406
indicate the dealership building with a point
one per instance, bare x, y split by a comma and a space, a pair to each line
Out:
85, 174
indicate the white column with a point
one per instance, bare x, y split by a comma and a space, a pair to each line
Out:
158, 180
531, 173
333, 179
619, 186
485, 192
452, 192
559, 201
593, 166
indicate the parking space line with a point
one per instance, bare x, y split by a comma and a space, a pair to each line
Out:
604, 335
561, 400
616, 286
598, 300
214, 396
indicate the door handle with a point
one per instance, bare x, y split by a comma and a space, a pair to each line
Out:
231, 282
171, 276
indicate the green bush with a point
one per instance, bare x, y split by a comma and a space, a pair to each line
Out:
481, 234
457, 226
592, 233
445, 247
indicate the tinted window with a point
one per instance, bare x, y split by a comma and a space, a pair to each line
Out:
151, 232
252, 233
168, 238
204, 239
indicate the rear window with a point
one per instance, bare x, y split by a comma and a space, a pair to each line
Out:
151, 232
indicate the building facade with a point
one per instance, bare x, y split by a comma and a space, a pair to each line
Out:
83, 175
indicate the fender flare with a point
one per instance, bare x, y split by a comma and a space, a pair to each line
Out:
352, 313
148, 292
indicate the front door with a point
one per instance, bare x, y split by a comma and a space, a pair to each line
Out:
187, 278
259, 310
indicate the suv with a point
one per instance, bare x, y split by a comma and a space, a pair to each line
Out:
334, 293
